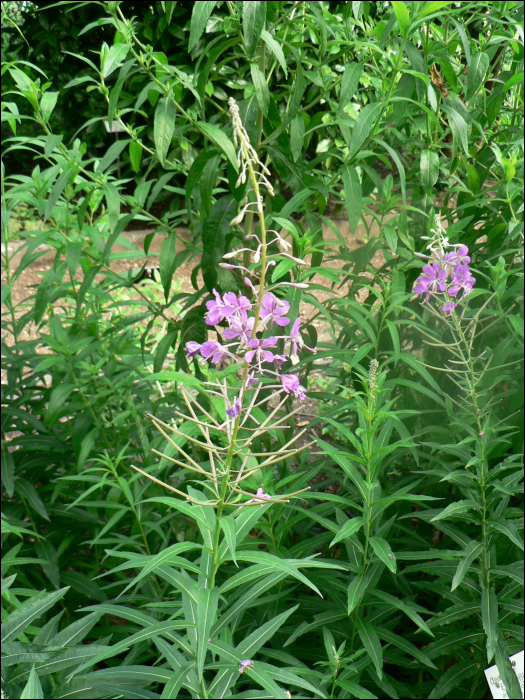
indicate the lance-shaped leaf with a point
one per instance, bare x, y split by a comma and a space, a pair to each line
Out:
508, 529
262, 93
384, 552
401, 643
199, 18
356, 591
220, 139
371, 643
228, 527
33, 689
158, 629
407, 607
348, 529
363, 127
507, 672
353, 197
163, 127
253, 18
30, 610
489, 616
453, 677
276, 49
206, 612
355, 689
116, 55
349, 83
254, 641
471, 551
477, 69
455, 509
214, 232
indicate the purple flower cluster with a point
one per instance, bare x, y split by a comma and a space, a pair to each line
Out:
447, 273
234, 309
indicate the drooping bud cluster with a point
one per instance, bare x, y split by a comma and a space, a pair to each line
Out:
247, 160
448, 273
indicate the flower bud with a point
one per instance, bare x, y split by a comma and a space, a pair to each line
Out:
237, 219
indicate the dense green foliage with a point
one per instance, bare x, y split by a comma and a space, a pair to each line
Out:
398, 573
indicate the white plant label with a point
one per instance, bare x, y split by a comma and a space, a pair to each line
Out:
496, 686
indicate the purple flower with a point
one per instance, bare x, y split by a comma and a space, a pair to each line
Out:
214, 350
259, 349
433, 279
217, 310
238, 305
274, 310
449, 307
192, 349
297, 341
240, 327
234, 411
461, 280
279, 360
251, 380
259, 495
244, 665
457, 256
291, 385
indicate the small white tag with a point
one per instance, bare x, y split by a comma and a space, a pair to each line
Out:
115, 126
496, 686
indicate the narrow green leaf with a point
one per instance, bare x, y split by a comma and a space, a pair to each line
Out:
262, 92
57, 190
353, 197
472, 550
228, 527
349, 83
297, 132
167, 264
456, 508
433, 7
348, 529
112, 154
402, 16
453, 677
506, 671
477, 69
173, 686
254, 641
384, 552
157, 629
33, 689
371, 643
199, 18
355, 689
214, 232
135, 155
206, 612
508, 529
428, 168
163, 127
27, 490
356, 590
253, 19
276, 49
363, 127
113, 202
220, 139
401, 643
30, 610
48, 104
489, 616
407, 607
116, 56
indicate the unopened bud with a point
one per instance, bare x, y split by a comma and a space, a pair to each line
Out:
227, 266
227, 256
256, 257
283, 245
237, 219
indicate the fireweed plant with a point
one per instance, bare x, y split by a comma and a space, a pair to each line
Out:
480, 581
223, 506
